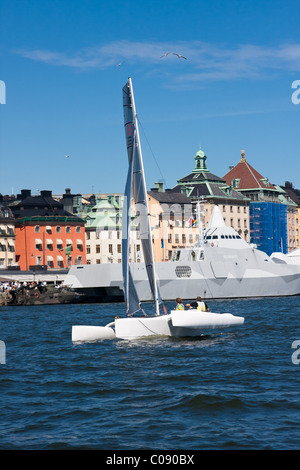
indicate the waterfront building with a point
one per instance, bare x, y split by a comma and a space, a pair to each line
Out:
103, 225
291, 214
46, 235
268, 210
7, 236
212, 190
173, 221
294, 195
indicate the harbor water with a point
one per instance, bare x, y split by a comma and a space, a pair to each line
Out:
235, 388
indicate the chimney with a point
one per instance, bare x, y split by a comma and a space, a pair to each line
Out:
25, 193
159, 186
46, 193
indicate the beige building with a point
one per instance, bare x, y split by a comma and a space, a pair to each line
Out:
103, 230
7, 237
173, 222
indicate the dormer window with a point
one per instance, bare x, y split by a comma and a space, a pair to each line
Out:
265, 181
235, 183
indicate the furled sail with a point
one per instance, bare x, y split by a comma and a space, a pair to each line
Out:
136, 188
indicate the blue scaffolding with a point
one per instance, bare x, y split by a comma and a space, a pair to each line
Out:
268, 226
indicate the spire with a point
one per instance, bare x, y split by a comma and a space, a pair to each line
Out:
243, 159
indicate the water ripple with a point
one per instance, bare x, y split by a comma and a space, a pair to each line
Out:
236, 389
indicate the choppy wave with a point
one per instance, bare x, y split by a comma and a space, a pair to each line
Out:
237, 389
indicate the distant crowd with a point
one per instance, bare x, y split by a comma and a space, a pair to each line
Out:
7, 286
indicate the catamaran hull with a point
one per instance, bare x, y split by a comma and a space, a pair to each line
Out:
177, 324
86, 333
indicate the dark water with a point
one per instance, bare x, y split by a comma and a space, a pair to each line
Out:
235, 389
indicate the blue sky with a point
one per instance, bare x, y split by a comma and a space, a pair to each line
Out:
59, 62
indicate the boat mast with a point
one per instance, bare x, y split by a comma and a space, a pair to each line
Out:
201, 221
146, 199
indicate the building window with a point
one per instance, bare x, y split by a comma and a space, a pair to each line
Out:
78, 229
49, 244
110, 249
119, 249
97, 248
57, 229
88, 250
59, 244
68, 229
37, 229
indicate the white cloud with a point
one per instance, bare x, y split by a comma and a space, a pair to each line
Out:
205, 61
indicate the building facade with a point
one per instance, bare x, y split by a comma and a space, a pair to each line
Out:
46, 234
7, 236
173, 222
103, 225
294, 195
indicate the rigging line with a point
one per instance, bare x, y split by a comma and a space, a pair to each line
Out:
162, 176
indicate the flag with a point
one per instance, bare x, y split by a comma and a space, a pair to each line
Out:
68, 249
162, 243
192, 221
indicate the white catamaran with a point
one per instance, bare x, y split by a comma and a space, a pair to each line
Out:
136, 324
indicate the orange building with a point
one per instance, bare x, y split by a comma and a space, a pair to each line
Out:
46, 234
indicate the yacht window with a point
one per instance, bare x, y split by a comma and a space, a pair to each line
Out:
208, 237
222, 236
215, 237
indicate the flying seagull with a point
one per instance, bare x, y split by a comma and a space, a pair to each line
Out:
67, 156
164, 55
118, 65
180, 56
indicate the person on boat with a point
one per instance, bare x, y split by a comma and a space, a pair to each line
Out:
179, 304
199, 304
